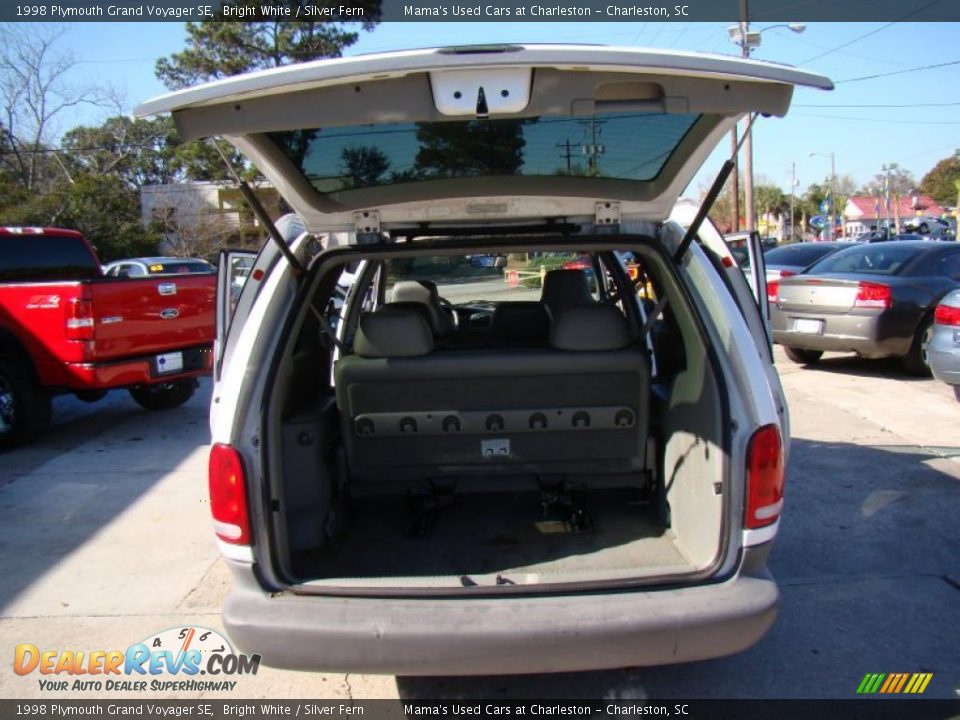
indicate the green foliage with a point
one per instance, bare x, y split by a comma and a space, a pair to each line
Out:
940, 182
219, 47
473, 148
364, 166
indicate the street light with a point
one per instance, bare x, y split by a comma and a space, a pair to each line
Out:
833, 194
741, 35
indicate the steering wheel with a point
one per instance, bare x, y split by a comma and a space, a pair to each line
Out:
450, 310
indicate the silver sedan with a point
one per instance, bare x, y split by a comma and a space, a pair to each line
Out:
944, 347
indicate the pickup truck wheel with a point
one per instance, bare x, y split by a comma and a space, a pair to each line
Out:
24, 405
804, 357
164, 396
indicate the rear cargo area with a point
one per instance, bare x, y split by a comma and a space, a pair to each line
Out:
524, 442
514, 535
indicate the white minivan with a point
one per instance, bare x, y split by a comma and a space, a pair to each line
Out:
544, 463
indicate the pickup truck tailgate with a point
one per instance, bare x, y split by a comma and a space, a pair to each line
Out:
136, 317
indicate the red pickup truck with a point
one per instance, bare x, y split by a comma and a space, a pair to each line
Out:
64, 327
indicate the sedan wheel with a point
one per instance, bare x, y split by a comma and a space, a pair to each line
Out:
804, 357
917, 361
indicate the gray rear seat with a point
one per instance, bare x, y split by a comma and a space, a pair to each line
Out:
578, 408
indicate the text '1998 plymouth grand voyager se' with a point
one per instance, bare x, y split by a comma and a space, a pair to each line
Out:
438, 451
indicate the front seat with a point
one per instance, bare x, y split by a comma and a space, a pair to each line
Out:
425, 293
563, 289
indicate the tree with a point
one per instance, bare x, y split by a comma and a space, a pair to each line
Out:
221, 47
901, 182
470, 148
364, 166
139, 152
940, 182
35, 95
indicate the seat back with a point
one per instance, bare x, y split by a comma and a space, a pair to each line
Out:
580, 407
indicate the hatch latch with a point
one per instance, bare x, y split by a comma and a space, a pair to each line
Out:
367, 227
607, 218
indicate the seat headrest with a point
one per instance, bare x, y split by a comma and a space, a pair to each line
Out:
520, 321
422, 291
565, 288
425, 293
393, 332
591, 327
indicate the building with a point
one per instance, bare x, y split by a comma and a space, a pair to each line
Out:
199, 218
864, 213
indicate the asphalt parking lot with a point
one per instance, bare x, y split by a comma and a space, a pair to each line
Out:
105, 539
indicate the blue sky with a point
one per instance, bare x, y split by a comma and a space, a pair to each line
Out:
862, 138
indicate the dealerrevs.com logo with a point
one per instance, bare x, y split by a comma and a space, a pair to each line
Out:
172, 660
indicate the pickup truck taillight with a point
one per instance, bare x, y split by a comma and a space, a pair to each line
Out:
765, 475
947, 315
228, 497
873, 295
80, 319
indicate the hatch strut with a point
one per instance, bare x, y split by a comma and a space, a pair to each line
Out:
711, 196
254, 202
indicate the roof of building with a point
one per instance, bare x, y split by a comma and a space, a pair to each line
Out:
865, 206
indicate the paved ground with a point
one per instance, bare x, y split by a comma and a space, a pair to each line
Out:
105, 539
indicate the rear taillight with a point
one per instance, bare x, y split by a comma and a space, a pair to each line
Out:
787, 273
80, 319
228, 498
765, 475
947, 315
773, 291
873, 295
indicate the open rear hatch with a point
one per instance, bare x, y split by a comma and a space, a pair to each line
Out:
459, 142
490, 134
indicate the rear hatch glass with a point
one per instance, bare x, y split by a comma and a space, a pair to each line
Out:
630, 146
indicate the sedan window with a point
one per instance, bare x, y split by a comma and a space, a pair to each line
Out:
950, 265
874, 259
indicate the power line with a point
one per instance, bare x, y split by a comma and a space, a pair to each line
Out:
880, 120
897, 72
904, 105
872, 32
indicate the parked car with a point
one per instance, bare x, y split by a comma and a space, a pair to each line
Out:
595, 486
924, 225
944, 348
143, 267
873, 236
788, 260
64, 327
876, 300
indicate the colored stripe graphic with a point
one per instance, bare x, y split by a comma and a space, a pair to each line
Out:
894, 683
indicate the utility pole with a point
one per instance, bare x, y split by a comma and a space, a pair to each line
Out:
886, 169
748, 140
793, 185
833, 198
593, 149
735, 176
567, 154
740, 34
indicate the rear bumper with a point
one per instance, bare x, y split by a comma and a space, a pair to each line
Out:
944, 353
135, 371
874, 335
500, 636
